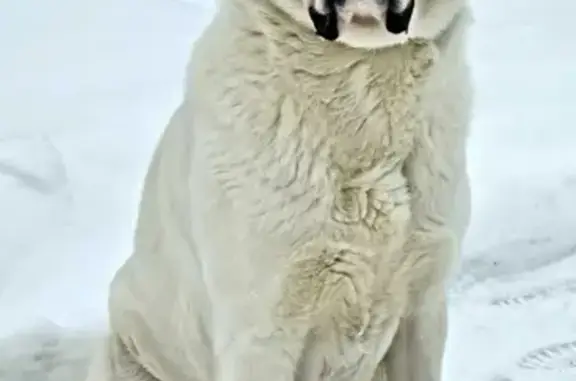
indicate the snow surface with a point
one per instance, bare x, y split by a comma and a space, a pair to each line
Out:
82, 81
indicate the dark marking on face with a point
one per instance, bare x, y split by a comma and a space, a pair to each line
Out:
326, 25
397, 21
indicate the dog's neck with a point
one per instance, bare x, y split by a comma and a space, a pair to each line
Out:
316, 66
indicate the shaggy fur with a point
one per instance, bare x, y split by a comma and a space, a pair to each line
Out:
303, 208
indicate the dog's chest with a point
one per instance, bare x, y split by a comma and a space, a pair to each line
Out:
366, 136
370, 130
372, 112
368, 119
371, 133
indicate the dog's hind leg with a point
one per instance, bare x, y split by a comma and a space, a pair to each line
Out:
114, 362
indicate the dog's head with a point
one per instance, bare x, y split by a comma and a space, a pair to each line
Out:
373, 23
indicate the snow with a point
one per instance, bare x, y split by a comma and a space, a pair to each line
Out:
87, 87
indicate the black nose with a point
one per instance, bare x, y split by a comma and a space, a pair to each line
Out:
326, 25
398, 20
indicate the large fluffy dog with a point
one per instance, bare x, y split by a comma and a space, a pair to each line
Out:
306, 202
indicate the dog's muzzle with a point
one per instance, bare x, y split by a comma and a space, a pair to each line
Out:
398, 14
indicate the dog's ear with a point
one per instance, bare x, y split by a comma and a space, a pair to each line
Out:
326, 25
398, 20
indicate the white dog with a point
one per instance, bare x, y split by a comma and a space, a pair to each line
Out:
306, 203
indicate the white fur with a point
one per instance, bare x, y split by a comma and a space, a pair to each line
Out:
303, 208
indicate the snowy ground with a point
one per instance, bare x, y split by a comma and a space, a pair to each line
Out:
81, 81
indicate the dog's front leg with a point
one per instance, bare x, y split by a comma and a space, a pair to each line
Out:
417, 351
251, 342
259, 354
